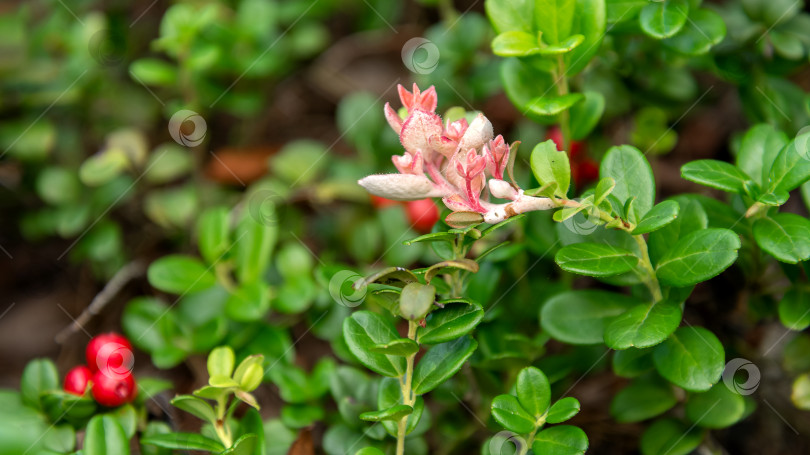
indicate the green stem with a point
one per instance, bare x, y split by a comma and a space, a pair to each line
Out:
561, 81
651, 280
407, 394
529, 439
221, 426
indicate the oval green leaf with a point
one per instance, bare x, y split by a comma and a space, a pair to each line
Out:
691, 358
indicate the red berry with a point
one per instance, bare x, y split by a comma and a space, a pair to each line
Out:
113, 390
111, 352
381, 202
555, 134
77, 379
422, 215
588, 172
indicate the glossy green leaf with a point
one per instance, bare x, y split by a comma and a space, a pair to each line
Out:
554, 19
794, 308
561, 440
786, 236
664, 19
588, 21
691, 358
440, 363
691, 217
643, 326
507, 15
196, 406
416, 300
623, 10
221, 362
586, 115
255, 239
565, 46
39, 376
515, 43
184, 441
704, 29
563, 410
364, 330
507, 411
800, 394
719, 407
580, 317
791, 167
670, 437
632, 362
552, 105
213, 233
641, 400
389, 395
550, 165
758, 150
105, 436
401, 347
716, 174
595, 259
249, 302
393, 413
533, 391
698, 256
658, 217
633, 175
450, 322
180, 275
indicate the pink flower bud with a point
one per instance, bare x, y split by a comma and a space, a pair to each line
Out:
426, 101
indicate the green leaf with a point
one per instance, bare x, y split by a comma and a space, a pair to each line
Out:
698, 256
758, 150
670, 437
195, 406
105, 436
800, 395
589, 21
177, 274
369, 451
624, 10
440, 363
393, 413
632, 362
255, 240
580, 317
548, 105
550, 165
364, 330
152, 71
704, 29
595, 259
249, 302
603, 190
561, 440
213, 233
507, 15
719, 407
39, 376
554, 19
794, 308
301, 415
643, 326
184, 441
245, 445
785, 236
416, 300
691, 217
691, 358
586, 115
642, 400
664, 19
633, 176
507, 411
462, 220
515, 43
658, 217
389, 394
565, 46
401, 347
533, 391
452, 321
221, 362
791, 166
715, 174
103, 167
563, 410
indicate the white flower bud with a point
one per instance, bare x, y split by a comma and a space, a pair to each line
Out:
400, 187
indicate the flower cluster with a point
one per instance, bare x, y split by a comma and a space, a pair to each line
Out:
452, 161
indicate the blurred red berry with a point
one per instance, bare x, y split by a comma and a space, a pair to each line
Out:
381, 202
77, 379
555, 134
113, 390
422, 215
588, 171
110, 352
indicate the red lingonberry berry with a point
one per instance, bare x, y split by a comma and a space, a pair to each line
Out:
109, 351
77, 379
422, 215
381, 202
555, 134
113, 390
